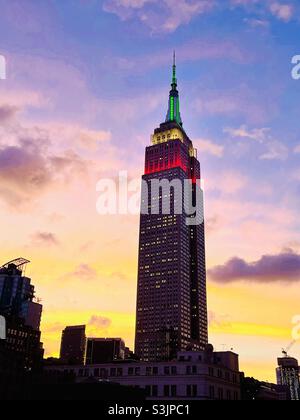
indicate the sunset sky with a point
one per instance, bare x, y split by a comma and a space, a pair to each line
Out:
87, 83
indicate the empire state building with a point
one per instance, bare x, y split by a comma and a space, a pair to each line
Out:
171, 296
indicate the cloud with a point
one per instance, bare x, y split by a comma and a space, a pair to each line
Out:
164, 16
28, 167
99, 322
159, 15
7, 113
259, 134
297, 149
207, 146
240, 101
275, 149
257, 23
84, 272
45, 238
283, 12
284, 267
227, 182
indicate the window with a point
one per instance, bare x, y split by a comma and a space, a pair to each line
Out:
191, 390
220, 394
167, 370
173, 390
228, 395
130, 371
174, 370
155, 370
166, 390
154, 390
212, 392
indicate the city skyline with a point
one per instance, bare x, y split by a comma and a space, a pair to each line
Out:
74, 109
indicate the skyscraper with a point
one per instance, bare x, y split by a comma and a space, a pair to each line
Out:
73, 345
17, 294
171, 297
22, 349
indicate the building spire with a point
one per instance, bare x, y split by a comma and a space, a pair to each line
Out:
174, 106
174, 79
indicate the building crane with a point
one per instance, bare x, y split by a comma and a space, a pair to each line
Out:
286, 351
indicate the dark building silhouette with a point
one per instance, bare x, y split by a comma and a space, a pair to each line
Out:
73, 344
21, 351
17, 294
288, 375
103, 350
171, 296
254, 390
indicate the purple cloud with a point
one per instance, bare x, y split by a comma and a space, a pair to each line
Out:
7, 112
45, 238
99, 322
27, 168
284, 267
84, 272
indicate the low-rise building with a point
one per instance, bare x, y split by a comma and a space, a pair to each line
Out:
204, 375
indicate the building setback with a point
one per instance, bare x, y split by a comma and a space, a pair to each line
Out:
171, 313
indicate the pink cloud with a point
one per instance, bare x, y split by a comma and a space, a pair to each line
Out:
208, 146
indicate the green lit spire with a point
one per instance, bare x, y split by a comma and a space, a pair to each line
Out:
174, 105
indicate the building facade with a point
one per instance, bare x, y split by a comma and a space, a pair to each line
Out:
102, 350
204, 375
17, 294
73, 345
288, 375
171, 314
21, 351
